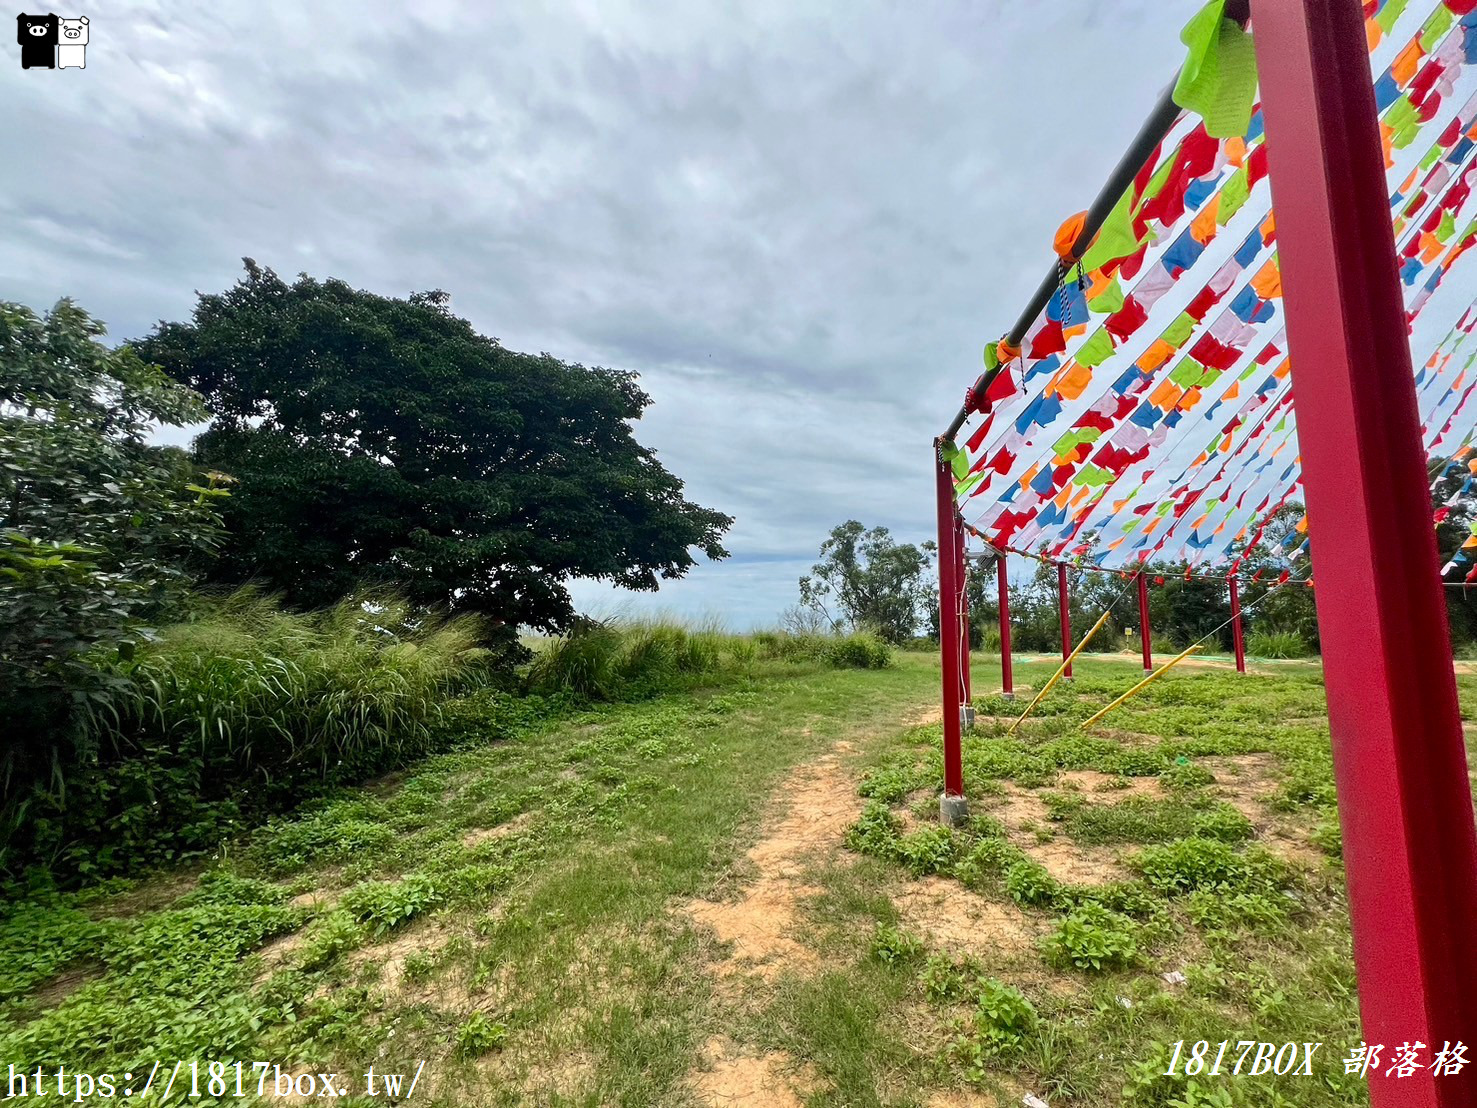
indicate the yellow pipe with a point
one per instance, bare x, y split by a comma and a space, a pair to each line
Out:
1057, 676
1149, 680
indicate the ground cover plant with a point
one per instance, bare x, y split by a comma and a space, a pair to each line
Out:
742, 880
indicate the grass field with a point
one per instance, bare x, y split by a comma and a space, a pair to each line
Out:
740, 895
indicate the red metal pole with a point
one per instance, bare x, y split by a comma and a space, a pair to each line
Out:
1144, 622
1066, 617
962, 569
1006, 681
949, 622
1236, 638
1410, 850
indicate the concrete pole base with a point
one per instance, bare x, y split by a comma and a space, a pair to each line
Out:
966, 717
1007, 696
953, 810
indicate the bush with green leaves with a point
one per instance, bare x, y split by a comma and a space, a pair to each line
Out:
1092, 937
245, 710
1195, 863
1029, 884
893, 947
478, 1034
859, 650
875, 832
1276, 644
388, 905
1002, 1023
98, 534
929, 850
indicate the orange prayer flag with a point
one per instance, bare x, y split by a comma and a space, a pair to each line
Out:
1154, 357
1073, 380
1268, 281
1203, 226
1235, 150
1068, 233
1283, 370
1372, 33
1406, 63
1165, 396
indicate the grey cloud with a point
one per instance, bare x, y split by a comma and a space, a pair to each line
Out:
798, 222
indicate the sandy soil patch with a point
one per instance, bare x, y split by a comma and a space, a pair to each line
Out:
1249, 782
479, 835
962, 922
823, 802
733, 1077
1023, 811
1114, 785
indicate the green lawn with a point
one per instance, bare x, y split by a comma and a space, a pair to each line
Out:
741, 895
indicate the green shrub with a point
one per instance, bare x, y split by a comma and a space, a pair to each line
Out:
1029, 884
244, 711
386, 905
1189, 864
892, 947
876, 832
478, 1035
945, 980
930, 850
583, 662
1002, 1022
1276, 644
987, 862
859, 650
1092, 938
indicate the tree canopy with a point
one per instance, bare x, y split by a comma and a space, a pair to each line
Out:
378, 440
873, 581
97, 527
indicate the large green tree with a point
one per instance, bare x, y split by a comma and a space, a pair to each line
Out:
866, 579
97, 526
378, 440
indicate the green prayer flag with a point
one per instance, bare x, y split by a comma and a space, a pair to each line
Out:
1390, 14
1436, 27
1446, 227
1108, 301
992, 359
1433, 156
1096, 350
968, 485
1188, 373
1233, 195
1092, 476
1218, 80
1115, 239
1178, 332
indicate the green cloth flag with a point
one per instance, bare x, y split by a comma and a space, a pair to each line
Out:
1436, 27
992, 358
1390, 13
1096, 350
1108, 301
1179, 332
1234, 193
1115, 239
1218, 80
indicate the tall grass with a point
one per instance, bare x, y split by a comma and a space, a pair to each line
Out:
245, 710
1276, 644
633, 659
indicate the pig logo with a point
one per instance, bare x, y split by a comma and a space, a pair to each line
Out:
71, 49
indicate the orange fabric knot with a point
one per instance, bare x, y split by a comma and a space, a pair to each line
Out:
1005, 352
1068, 234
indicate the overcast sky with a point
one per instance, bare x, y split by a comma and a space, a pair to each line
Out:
798, 222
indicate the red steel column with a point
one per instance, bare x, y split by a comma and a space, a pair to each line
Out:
962, 569
1236, 638
949, 621
1144, 622
1066, 617
1006, 681
1410, 851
